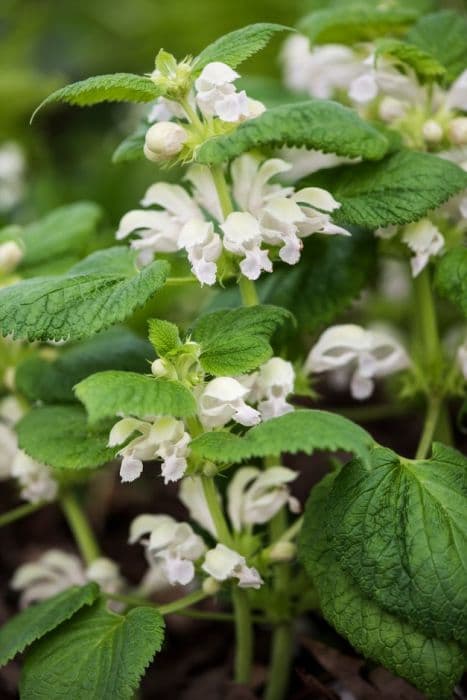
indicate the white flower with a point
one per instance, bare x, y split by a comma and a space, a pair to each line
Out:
317, 205
250, 182
223, 563
432, 131
371, 353
163, 110
205, 192
35, 479
164, 140
270, 386
171, 549
423, 239
233, 107
8, 449
462, 359
456, 97
390, 109
106, 573
458, 131
12, 167
303, 161
10, 256
279, 222
191, 494
164, 438
216, 96
222, 400
383, 77
203, 247
255, 496
242, 236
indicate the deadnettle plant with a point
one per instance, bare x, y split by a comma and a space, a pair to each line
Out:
328, 237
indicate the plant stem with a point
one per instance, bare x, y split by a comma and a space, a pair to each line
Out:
248, 292
280, 662
222, 189
79, 526
212, 500
178, 281
21, 512
431, 421
243, 634
292, 531
181, 603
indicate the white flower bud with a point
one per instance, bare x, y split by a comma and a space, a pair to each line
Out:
161, 368
282, 551
164, 140
458, 131
211, 586
10, 255
432, 131
391, 108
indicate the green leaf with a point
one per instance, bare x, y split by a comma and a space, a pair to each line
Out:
321, 124
442, 34
163, 335
353, 23
237, 341
116, 87
235, 47
398, 190
109, 394
423, 63
432, 665
97, 654
399, 528
451, 277
40, 379
131, 148
84, 301
300, 431
61, 437
37, 620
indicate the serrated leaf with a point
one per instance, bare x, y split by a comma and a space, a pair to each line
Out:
96, 654
442, 34
163, 335
84, 301
237, 341
300, 431
319, 124
131, 148
112, 393
398, 190
37, 620
40, 379
451, 277
116, 87
423, 63
353, 23
61, 437
235, 47
399, 528
432, 665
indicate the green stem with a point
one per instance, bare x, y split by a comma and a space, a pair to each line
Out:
292, 531
243, 634
179, 281
21, 512
431, 421
279, 665
248, 291
79, 526
181, 603
212, 500
222, 189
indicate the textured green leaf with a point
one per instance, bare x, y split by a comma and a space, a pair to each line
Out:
37, 620
116, 87
352, 23
131, 148
321, 124
300, 431
112, 393
96, 654
398, 190
61, 437
423, 63
400, 529
451, 277
40, 379
83, 301
235, 47
434, 666
443, 35
163, 335
237, 341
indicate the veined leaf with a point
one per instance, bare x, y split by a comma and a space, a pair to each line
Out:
399, 528
96, 293
321, 124
351, 23
300, 431
235, 47
96, 654
163, 335
451, 277
40, 379
432, 665
116, 87
37, 620
426, 66
131, 148
237, 341
398, 190
112, 393
60, 436
442, 34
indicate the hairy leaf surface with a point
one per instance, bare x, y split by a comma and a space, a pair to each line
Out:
451, 277
442, 34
